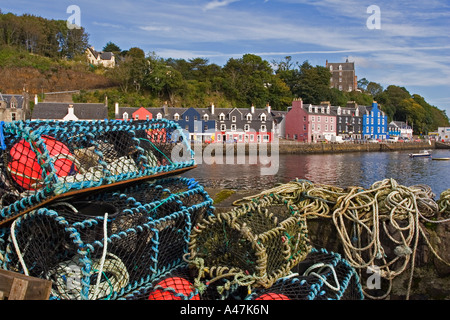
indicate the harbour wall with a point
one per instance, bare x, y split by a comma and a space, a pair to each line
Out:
312, 148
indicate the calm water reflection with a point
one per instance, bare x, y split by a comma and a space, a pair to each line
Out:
347, 169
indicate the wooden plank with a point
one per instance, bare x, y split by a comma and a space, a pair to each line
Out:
18, 289
13, 286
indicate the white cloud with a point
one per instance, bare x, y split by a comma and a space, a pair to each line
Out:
217, 3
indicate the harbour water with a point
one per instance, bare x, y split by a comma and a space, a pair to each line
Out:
342, 169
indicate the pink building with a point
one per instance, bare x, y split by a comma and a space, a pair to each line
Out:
310, 123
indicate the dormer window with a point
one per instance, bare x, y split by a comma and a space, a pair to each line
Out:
206, 117
249, 117
125, 116
176, 116
222, 117
233, 118
263, 117
159, 115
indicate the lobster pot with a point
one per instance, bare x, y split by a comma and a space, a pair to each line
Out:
252, 246
45, 159
175, 284
322, 275
108, 244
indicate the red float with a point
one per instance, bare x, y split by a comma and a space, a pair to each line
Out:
272, 296
180, 285
26, 170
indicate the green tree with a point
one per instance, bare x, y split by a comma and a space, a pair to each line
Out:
247, 81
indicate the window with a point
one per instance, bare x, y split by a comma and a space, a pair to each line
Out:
249, 117
136, 117
326, 127
159, 116
223, 127
313, 127
266, 138
147, 117
318, 127
125, 116
13, 116
331, 127
263, 117
318, 119
233, 118
205, 117
233, 127
186, 118
252, 137
247, 127
176, 116
313, 119
263, 128
222, 117
304, 119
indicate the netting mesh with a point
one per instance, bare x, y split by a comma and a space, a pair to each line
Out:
322, 275
111, 243
251, 246
44, 159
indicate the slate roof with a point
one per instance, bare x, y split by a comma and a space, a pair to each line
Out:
57, 111
7, 98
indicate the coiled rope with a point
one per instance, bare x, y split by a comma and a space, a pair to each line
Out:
385, 208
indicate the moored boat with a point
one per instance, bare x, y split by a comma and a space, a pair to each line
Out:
424, 153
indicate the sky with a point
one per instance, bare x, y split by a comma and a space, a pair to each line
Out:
396, 42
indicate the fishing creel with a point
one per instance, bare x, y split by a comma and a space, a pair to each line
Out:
111, 243
44, 160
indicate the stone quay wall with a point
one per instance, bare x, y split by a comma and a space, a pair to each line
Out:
287, 147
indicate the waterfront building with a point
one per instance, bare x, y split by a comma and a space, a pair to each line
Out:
400, 129
310, 123
249, 125
343, 75
14, 107
375, 123
444, 134
349, 120
279, 123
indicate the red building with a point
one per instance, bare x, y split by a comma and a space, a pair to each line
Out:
310, 123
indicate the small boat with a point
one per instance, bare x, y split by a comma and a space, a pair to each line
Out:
424, 153
441, 159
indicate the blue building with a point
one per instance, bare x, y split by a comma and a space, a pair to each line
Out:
375, 123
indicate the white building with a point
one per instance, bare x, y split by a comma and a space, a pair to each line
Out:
444, 134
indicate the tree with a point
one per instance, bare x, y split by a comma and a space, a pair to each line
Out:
374, 89
247, 80
111, 47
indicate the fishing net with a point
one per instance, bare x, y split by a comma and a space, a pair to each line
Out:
322, 275
110, 243
176, 284
45, 159
251, 246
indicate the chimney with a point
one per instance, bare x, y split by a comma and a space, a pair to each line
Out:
269, 108
116, 110
212, 108
253, 109
36, 101
70, 110
297, 103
